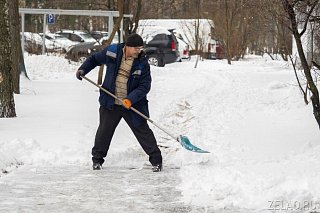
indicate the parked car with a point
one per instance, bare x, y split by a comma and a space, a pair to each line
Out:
80, 52
34, 41
183, 50
98, 35
58, 41
215, 50
77, 36
103, 39
161, 46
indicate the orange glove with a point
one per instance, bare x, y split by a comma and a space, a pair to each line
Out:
126, 103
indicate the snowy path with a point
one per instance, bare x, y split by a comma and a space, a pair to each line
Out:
79, 189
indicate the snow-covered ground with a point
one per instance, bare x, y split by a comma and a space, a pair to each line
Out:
263, 139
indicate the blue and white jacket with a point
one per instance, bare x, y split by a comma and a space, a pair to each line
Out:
139, 82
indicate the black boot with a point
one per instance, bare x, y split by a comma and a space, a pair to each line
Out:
97, 166
157, 168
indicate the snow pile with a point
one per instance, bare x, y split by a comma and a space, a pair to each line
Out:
40, 68
256, 130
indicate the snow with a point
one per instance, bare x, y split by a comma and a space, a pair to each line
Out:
250, 115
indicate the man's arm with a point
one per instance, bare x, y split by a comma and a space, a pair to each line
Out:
94, 60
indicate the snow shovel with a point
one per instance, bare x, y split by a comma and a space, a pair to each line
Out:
183, 140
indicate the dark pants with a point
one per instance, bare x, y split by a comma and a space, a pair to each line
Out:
109, 120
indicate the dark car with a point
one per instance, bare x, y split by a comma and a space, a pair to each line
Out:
162, 48
99, 35
80, 52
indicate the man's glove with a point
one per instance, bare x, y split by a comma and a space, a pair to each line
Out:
79, 73
126, 103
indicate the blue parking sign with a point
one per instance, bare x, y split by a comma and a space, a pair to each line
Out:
50, 19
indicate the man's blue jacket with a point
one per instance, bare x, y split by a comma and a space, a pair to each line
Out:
139, 82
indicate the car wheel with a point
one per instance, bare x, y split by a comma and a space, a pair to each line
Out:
82, 59
155, 61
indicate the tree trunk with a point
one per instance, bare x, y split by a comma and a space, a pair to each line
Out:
15, 42
7, 107
228, 31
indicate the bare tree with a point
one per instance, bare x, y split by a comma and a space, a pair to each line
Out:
114, 30
7, 107
135, 8
233, 26
305, 9
272, 28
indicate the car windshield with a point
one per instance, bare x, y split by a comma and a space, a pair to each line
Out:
85, 35
61, 38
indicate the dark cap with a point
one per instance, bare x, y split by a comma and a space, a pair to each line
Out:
134, 40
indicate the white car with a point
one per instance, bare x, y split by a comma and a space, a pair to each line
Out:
60, 41
183, 50
34, 41
77, 36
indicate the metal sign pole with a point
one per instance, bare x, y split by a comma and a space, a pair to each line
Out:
110, 25
22, 31
44, 33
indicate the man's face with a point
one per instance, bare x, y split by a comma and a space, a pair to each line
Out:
133, 51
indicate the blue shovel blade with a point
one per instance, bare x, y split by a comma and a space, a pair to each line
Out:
185, 143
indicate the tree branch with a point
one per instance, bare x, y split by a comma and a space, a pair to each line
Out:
308, 17
305, 94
